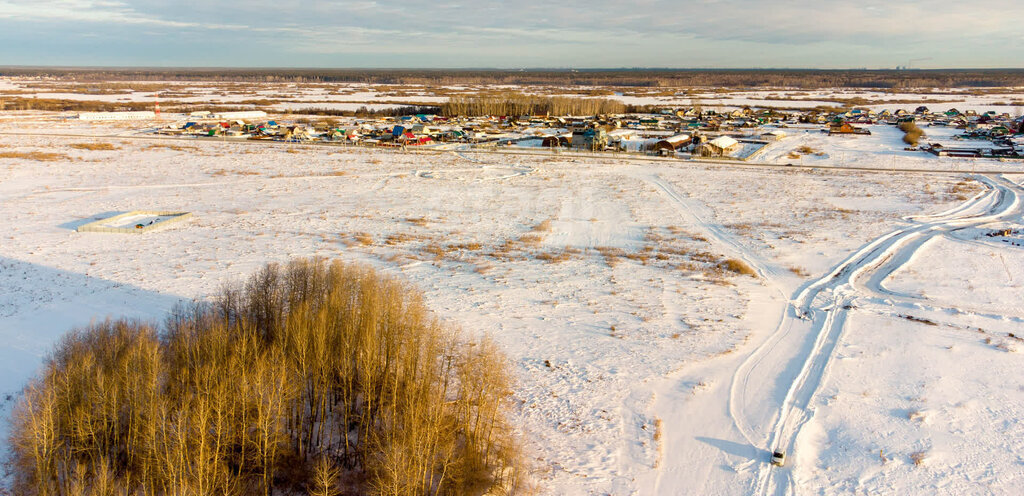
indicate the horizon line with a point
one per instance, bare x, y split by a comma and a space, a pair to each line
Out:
507, 69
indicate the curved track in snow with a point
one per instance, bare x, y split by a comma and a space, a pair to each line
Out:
817, 313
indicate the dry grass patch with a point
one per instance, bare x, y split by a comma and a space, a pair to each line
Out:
365, 239
94, 146
553, 257
738, 267
963, 190
612, 256
436, 249
401, 238
417, 221
177, 148
531, 239
224, 172
919, 457
544, 226
468, 246
36, 155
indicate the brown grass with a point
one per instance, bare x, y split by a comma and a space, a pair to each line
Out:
224, 172
364, 239
94, 146
738, 267
418, 221
35, 155
530, 239
177, 148
436, 249
468, 246
401, 238
553, 257
544, 226
919, 457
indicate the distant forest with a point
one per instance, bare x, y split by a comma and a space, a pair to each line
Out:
732, 78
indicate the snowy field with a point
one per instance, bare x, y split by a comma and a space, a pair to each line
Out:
351, 96
878, 341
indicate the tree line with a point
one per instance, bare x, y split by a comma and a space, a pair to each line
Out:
314, 378
517, 104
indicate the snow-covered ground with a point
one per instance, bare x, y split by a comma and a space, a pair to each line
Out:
876, 331
336, 95
884, 148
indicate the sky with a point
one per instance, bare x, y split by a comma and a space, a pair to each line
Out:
514, 34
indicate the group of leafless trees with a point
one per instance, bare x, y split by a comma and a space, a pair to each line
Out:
516, 104
312, 378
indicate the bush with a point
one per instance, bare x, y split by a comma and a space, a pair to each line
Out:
738, 267
912, 134
309, 377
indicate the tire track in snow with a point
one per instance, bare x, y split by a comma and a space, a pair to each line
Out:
826, 302
520, 169
698, 216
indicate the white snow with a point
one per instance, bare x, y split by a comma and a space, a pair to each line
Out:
640, 371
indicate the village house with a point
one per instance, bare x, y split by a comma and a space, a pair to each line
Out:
845, 128
718, 147
670, 145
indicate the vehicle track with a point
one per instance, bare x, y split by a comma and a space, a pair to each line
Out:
826, 302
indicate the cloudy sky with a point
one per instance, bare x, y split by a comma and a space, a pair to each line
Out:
512, 34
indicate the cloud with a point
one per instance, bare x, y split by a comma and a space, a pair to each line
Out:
592, 33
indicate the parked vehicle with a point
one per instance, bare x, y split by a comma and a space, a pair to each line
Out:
779, 458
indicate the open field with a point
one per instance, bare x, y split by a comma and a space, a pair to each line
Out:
668, 322
24, 92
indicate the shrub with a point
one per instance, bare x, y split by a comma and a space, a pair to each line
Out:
912, 134
738, 267
308, 377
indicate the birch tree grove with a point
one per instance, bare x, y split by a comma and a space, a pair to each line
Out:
314, 377
517, 104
